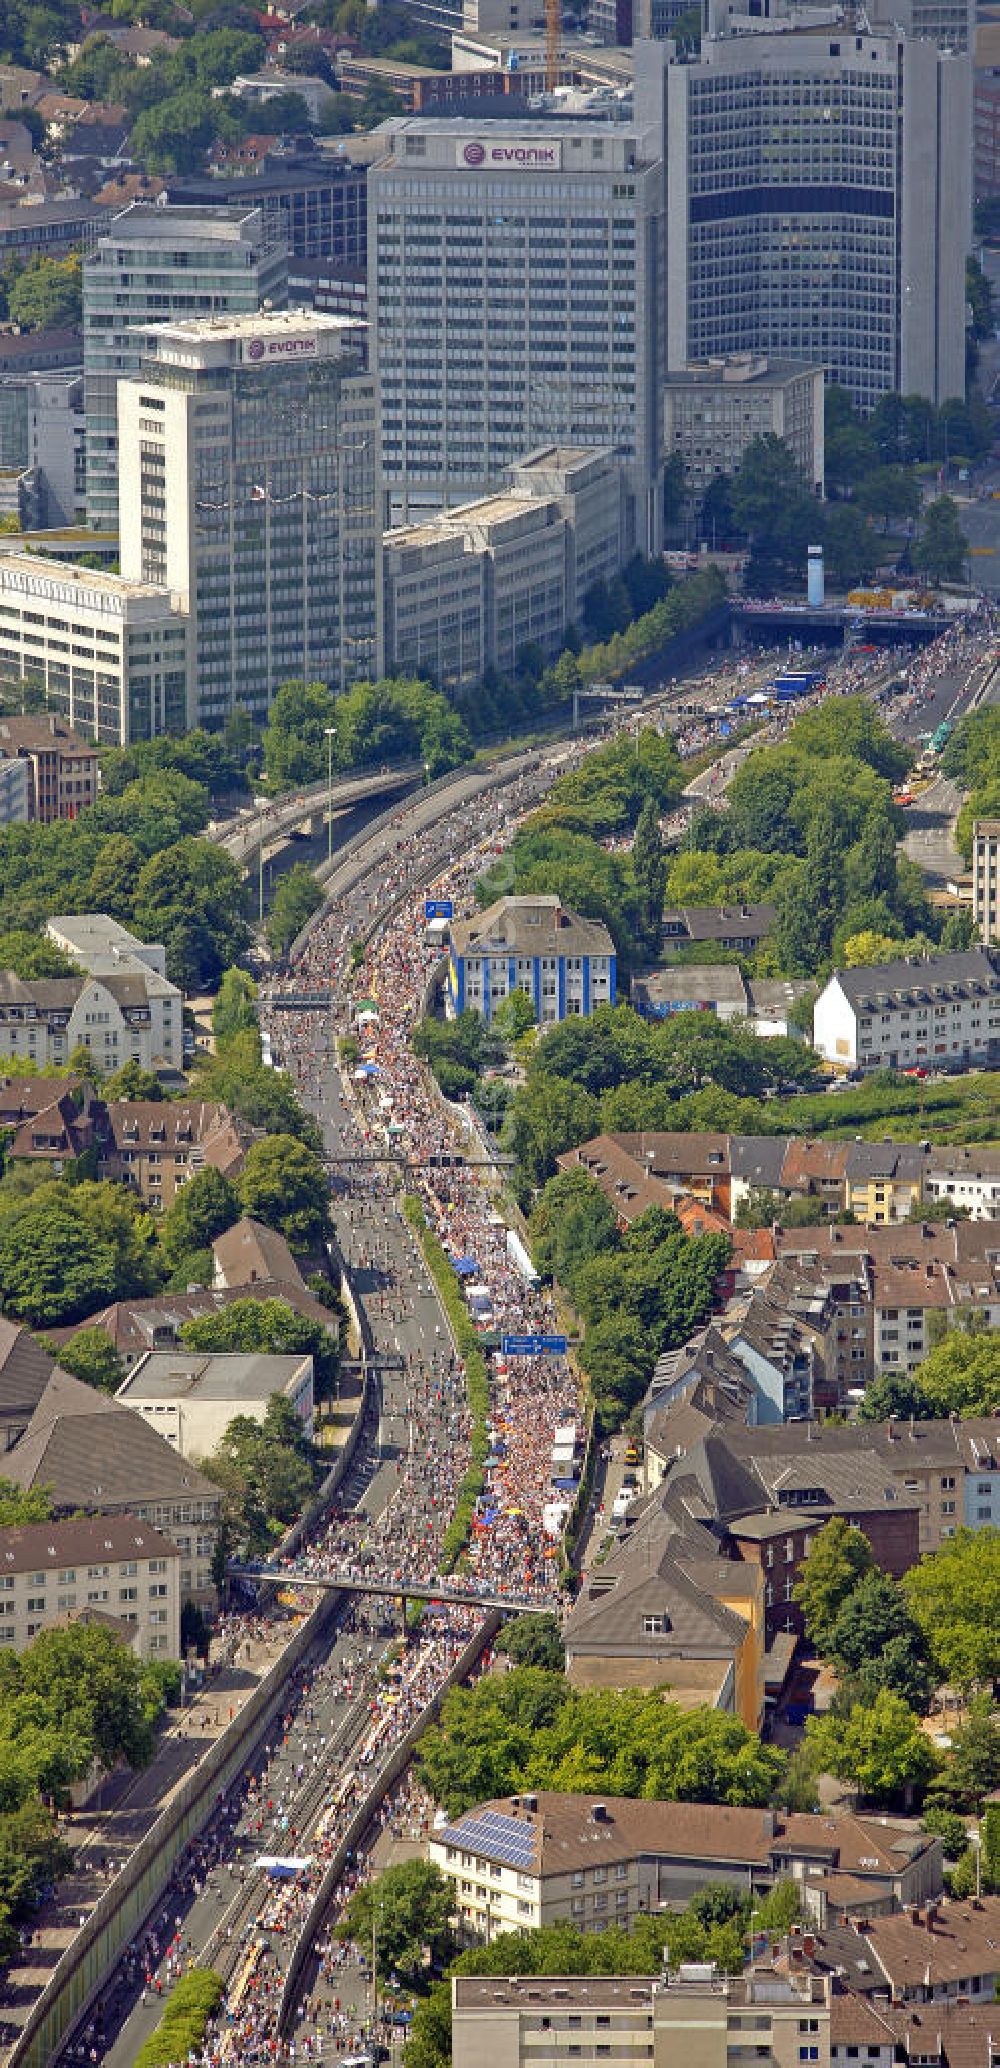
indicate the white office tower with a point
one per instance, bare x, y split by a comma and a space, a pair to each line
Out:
248, 488
514, 302
150, 265
818, 199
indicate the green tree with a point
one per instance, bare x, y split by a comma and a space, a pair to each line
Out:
895, 1396
513, 1018
961, 1376
284, 1184
533, 1640
296, 896
53, 1267
203, 1208
133, 1082
92, 1357
269, 1325
295, 744
649, 874
875, 1644
20, 1505
838, 1558
409, 1908
192, 898
530, 1729
954, 1597
233, 1011
880, 1749
47, 294
941, 548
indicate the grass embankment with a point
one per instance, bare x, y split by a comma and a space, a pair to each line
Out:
477, 1384
182, 2028
956, 1109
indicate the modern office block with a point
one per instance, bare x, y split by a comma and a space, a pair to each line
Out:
514, 285
320, 197
149, 265
248, 489
713, 409
469, 588
818, 183
110, 654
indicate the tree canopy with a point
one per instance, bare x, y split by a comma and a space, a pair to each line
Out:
530, 1729
954, 1597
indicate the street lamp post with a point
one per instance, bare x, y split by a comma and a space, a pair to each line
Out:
330, 731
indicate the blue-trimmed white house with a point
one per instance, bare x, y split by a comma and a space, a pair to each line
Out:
565, 964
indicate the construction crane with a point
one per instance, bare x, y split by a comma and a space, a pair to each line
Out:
553, 23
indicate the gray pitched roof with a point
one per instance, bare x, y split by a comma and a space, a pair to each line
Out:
95, 1454
921, 977
24, 1369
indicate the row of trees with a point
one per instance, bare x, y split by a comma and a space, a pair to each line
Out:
768, 506
136, 854
892, 1644
72, 1697
530, 1729
616, 1071
395, 719
637, 1294
820, 803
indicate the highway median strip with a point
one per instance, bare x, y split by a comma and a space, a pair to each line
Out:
186, 2014
477, 1382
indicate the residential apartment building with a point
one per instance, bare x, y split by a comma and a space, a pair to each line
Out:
971, 1177
818, 199
110, 654
527, 1861
190, 1398
249, 466
724, 926
467, 589
715, 408
565, 965
97, 1458
149, 265
935, 1010
986, 879
156, 1147
523, 2021
60, 769
115, 1566
664, 1608
133, 973
880, 1183
515, 302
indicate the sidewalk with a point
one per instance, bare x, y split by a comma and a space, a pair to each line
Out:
122, 1810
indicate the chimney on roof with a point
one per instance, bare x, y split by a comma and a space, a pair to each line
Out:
531, 1805
914, 1914
599, 1813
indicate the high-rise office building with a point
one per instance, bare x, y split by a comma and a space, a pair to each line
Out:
514, 296
248, 451
149, 265
818, 200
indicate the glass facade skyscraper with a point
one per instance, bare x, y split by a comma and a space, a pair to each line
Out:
149, 265
249, 489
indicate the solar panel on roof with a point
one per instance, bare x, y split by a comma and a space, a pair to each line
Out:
497, 1837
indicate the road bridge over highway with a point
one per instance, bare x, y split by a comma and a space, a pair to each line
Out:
829, 623
274, 823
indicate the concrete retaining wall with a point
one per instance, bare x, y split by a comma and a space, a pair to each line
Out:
122, 1910
385, 1777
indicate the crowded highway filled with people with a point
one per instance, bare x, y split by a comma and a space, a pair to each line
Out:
340, 1021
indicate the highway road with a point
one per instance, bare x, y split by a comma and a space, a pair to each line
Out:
398, 1482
